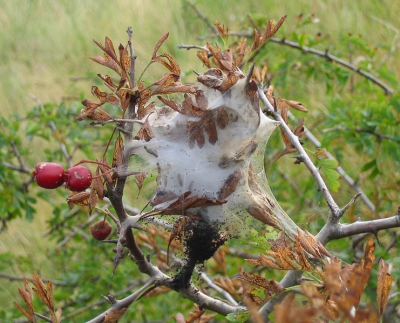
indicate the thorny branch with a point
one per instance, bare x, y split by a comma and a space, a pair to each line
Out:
309, 135
303, 157
308, 50
332, 229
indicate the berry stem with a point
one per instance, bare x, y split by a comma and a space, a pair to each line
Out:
87, 161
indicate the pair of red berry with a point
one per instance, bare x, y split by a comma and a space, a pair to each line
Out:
52, 175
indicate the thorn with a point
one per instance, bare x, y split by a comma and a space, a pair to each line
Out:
198, 74
249, 75
139, 228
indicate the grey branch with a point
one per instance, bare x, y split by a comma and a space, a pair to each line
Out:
372, 226
309, 135
158, 278
324, 54
302, 154
218, 289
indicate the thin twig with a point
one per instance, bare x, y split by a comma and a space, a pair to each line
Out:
309, 50
302, 154
45, 318
79, 229
53, 281
218, 289
379, 135
202, 17
309, 135
102, 301
63, 148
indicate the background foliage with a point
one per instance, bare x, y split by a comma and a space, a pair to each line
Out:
46, 73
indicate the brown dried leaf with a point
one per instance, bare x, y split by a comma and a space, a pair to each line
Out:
58, 314
118, 155
227, 61
113, 315
92, 200
102, 96
296, 105
26, 295
241, 50
201, 100
98, 115
215, 52
321, 153
264, 261
309, 243
230, 80
253, 279
219, 257
302, 259
203, 55
384, 283
227, 284
171, 103
222, 30
222, 117
283, 257
263, 74
124, 58
170, 63
258, 40
145, 133
184, 202
271, 29
252, 301
211, 130
125, 98
262, 213
196, 134
108, 82
317, 300
146, 110
230, 184
158, 45
159, 290
80, 198
90, 107
299, 131
105, 173
107, 61
165, 84
97, 185
43, 293
369, 255
198, 316
140, 179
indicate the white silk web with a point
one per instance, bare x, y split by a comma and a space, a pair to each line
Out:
212, 147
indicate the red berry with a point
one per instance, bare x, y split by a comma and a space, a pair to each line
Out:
49, 175
101, 230
78, 178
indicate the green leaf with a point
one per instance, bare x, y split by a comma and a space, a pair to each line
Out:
332, 178
328, 168
255, 239
238, 317
328, 162
369, 165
